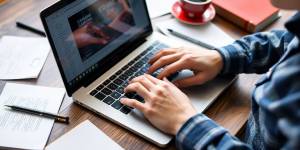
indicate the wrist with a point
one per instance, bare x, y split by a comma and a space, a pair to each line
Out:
181, 121
218, 61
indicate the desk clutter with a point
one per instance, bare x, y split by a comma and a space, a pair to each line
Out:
249, 15
24, 57
208, 34
84, 136
25, 131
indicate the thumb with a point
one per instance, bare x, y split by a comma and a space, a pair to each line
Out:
193, 80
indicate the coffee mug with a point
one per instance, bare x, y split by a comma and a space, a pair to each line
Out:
194, 8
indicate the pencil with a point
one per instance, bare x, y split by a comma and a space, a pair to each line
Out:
200, 43
31, 29
57, 118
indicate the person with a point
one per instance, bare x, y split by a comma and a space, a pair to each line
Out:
274, 121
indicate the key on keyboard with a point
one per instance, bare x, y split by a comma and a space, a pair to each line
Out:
112, 89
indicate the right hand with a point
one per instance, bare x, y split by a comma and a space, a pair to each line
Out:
85, 35
162, 101
206, 64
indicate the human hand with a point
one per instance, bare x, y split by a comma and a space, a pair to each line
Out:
166, 107
206, 64
89, 34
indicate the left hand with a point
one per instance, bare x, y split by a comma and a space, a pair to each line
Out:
166, 107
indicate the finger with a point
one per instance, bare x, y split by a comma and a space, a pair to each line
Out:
99, 32
144, 81
169, 82
166, 80
88, 25
172, 68
152, 79
163, 61
190, 81
133, 103
94, 40
161, 53
139, 89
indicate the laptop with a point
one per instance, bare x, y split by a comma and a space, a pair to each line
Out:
99, 45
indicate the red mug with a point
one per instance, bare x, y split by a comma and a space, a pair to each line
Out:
194, 9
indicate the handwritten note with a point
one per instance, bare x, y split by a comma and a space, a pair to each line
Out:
22, 57
25, 131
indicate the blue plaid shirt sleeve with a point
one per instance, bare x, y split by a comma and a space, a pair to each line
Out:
255, 53
200, 132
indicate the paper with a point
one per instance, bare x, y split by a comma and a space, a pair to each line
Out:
208, 33
84, 136
158, 8
22, 57
25, 131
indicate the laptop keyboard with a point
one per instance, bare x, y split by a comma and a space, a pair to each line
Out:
111, 90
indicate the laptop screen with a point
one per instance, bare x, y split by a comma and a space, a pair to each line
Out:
84, 33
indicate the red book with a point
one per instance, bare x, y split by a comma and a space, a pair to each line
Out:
251, 15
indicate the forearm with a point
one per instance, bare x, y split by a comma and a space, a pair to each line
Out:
200, 132
254, 53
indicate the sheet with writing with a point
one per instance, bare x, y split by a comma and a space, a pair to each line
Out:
25, 131
22, 57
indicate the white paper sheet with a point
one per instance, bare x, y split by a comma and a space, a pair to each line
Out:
25, 131
22, 57
208, 33
158, 8
85, 136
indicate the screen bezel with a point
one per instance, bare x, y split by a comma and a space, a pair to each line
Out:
105, 63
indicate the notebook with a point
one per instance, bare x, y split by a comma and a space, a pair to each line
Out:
251, 15
84, 136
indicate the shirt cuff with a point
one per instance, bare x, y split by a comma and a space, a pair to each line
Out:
197, 133
231, 55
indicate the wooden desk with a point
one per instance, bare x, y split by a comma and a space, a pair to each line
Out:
230, 110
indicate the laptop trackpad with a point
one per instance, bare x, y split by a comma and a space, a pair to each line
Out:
203, 95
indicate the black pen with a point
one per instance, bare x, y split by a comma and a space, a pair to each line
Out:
203, 44
29, 28
57, 118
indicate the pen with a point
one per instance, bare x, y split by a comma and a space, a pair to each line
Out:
29, 28
208, 46
57, 118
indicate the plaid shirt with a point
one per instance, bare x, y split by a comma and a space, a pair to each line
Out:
274, 122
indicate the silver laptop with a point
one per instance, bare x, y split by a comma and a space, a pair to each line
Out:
99, 45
